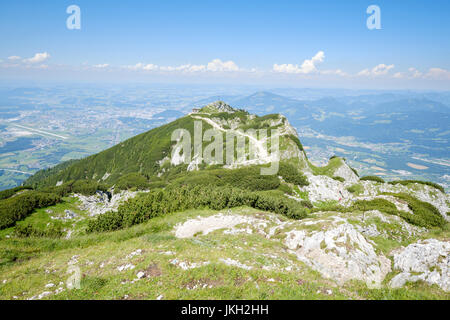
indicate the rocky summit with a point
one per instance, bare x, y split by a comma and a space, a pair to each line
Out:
151, 218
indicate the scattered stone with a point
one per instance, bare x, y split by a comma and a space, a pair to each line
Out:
50, 285
40, 296
168, 253
59, 290
234, 263
186, 265
140, 275
138, 252
209, 224
100, 203
400, 280
73, 260
69, 234
324, 188
369, 231
70, 214
160, 297
426, 260
127, 266
199, 284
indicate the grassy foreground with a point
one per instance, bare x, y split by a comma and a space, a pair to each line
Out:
28, 265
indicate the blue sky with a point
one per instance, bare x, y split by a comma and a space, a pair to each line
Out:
239, 41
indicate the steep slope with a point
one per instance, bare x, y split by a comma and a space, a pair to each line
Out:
224, 231
150, 153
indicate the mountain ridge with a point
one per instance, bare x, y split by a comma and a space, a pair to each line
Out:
142, 225
148, 152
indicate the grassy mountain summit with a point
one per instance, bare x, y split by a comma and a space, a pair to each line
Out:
153, 219
149, 154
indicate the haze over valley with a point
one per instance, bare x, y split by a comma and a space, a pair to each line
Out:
392, 134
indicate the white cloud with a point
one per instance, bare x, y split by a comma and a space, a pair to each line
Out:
337, 72
308, 66
141, 66
38, 58
184, 68
438, 73
415, 73
365, 72
382, 69
149, 67
195, 68
101, 66
379, 70
215, 65
412, 73
221, 66
431, 74
14, 58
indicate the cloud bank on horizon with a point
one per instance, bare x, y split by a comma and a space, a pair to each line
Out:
309, 67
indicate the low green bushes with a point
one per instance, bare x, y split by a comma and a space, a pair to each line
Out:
340, 179
85, 187
354, 171
286, 189
19, 207
248, 178
297, 141
132, 180
425, 214
161, 202
10, 192
428, 183
27, 230
372, 178
292, 175
356, 189
156, 185
375, 204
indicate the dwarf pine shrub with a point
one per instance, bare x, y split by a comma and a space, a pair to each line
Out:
21, 206
372, 178
160, 202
